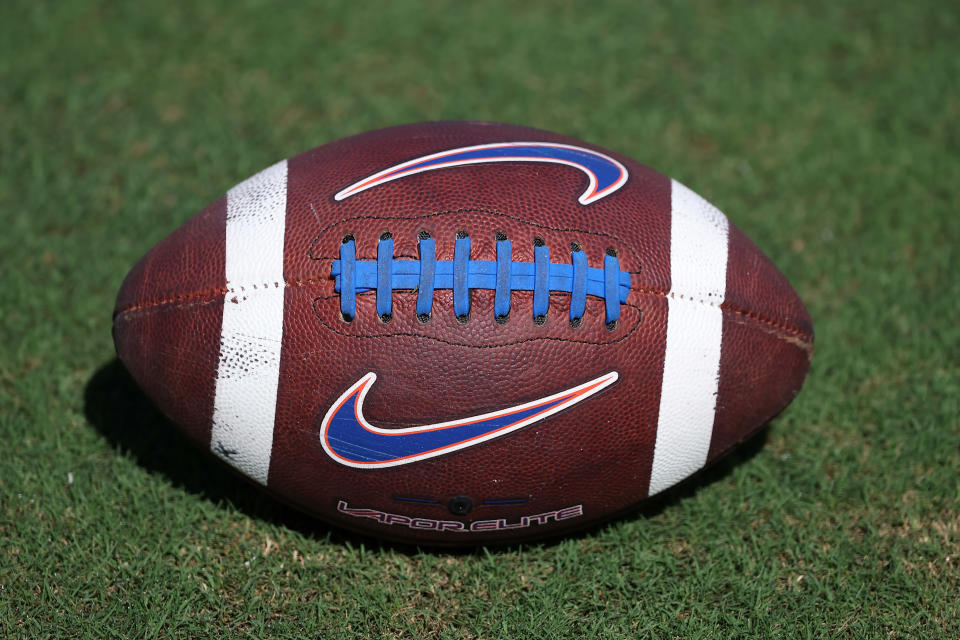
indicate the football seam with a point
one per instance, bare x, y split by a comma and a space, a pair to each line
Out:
798, 337
212, 294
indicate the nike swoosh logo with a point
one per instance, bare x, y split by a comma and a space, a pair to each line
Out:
605, 174
349, 439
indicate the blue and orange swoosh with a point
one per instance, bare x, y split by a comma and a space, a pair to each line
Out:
349, 439
606, 175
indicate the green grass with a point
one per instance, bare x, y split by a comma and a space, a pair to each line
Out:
828, 133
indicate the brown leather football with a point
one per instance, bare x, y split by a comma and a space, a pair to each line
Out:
457, 333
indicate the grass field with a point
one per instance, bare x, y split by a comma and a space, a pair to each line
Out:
827, 131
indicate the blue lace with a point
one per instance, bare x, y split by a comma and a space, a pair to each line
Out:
385, 275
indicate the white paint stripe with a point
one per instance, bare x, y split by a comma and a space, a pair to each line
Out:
249, 368
691, 367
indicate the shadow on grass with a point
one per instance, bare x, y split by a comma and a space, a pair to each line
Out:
120, 411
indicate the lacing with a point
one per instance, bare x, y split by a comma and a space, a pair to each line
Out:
462, 274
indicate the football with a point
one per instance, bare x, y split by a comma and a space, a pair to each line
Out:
459, 333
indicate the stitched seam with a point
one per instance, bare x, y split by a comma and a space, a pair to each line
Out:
779, 326
211, 295
732, 308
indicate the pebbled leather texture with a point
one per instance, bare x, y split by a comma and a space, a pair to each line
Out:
597, 455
